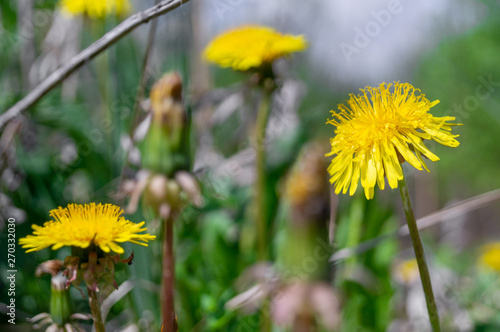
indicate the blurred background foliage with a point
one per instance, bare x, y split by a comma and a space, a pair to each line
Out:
73, 146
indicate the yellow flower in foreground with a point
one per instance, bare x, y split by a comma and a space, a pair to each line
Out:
81, 225
379, 127
251, 47
96, 8
490, 257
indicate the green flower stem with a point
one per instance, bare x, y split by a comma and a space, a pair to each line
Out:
260, 165
95, 308
355, 230
420, 255
260, 193
168, 276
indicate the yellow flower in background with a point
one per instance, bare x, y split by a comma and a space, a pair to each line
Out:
81, 225
406, 271
490, 256
379, 128
251, 47
307, 178
96, 8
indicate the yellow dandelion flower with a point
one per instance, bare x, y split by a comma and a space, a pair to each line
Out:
490, 257
307, 179
406, 271
81, 225
95, 8
251, 47
377, 129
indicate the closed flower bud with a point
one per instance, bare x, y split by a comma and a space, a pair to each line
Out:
60, 303
164, 148
306, 188
165, 98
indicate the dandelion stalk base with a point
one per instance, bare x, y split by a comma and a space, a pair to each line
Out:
260, 192
168, 276
420, 255
95, 308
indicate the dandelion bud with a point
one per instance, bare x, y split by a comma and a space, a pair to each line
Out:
306, 188
165, 144
60, 303
166, 98
307, 193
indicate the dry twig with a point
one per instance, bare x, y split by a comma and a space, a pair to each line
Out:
432, 219
86, 55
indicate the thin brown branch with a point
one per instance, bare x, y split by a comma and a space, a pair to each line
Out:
454, 211
86, 55
432, 219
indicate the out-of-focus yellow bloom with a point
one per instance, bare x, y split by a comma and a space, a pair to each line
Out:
490, 256
406, 271
307, 179
96, 8
82, 225
379, 128
251, 46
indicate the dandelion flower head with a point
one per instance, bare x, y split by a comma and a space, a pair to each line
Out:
377, 129
490, 256
81, 225
251, 46
406, 271
95, 8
